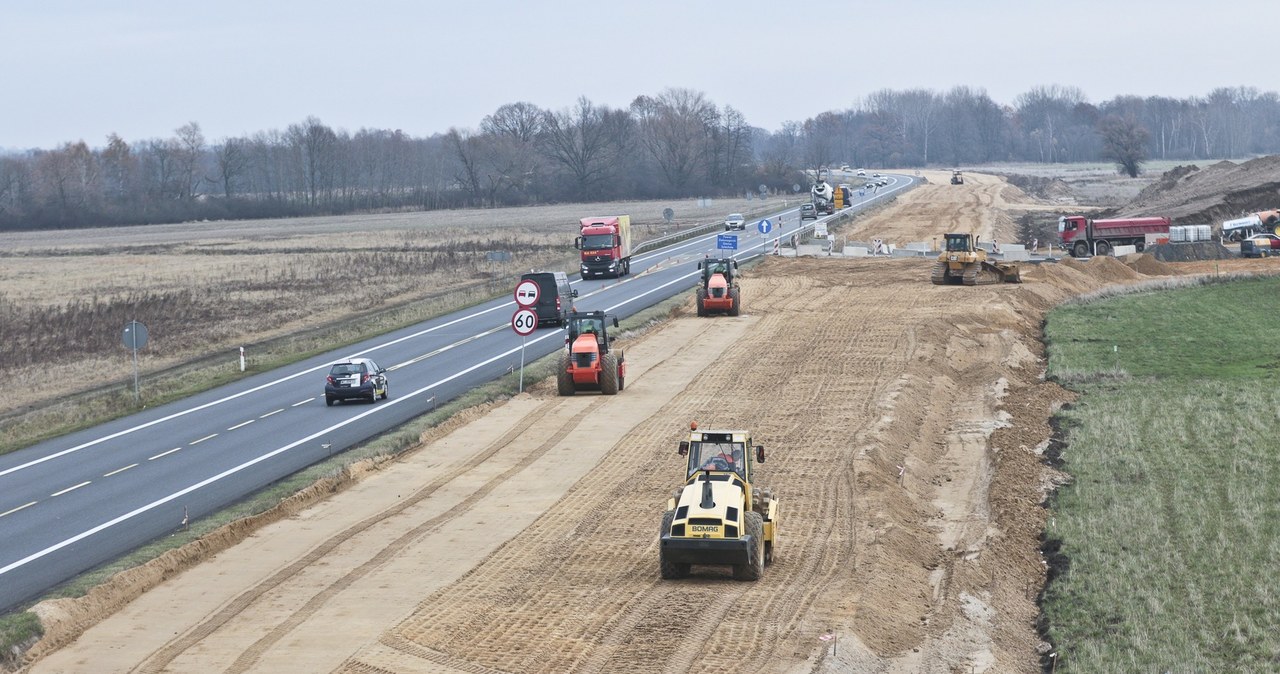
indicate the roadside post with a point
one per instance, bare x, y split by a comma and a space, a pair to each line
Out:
135, 337
525, 320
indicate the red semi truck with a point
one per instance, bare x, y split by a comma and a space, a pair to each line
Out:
605, 242
1085, 237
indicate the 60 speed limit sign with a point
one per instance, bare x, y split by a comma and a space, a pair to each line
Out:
524, 322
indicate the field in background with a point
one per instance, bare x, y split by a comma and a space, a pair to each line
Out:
209, 287
1164, 548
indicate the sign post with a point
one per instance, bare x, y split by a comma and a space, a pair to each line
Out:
135, 337
524, 321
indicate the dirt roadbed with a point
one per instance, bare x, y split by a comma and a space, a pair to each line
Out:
903, 423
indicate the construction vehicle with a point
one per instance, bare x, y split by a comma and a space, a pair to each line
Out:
719, 292
957, 178
822, 194
719, 516
589, 363
963, 262
1262, 222
1083, 236
605, 242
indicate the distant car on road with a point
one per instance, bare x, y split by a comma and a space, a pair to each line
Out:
875, 175
355, 378
808, 212
862, 173
1260, 245
735, 221
882, 182
869, 185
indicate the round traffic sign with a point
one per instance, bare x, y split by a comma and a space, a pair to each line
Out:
524, 322
527, 293
764, 226
135, 335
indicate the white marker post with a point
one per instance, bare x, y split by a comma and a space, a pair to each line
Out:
242, 359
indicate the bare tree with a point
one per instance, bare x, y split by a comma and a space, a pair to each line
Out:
1124, 141
584, 140
189, 149
231, 160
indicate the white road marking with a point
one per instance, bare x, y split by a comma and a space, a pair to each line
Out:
120, 470
240, 425
60, 493
302, 402
10, 512
207, 437
270, 413
252, 462
164, 454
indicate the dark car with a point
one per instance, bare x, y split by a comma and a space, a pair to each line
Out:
1260, 245
808, 212
555, 297
355, 378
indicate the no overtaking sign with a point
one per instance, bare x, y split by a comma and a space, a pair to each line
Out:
527, 293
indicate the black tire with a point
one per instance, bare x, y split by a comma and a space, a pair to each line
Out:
622, 380
386, 390
701, 301
670, 570
754, 568
735, 297
1103, 248
609, 374
328, 400
1139, 245
564, 380
1081, 249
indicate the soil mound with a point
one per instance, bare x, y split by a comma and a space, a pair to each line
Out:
1147, 265
1225, 190
1043, 187
1185, 252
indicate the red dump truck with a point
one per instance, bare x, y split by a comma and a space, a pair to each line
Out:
605, 242
1085, 237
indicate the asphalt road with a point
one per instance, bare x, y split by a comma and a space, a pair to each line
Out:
70, 504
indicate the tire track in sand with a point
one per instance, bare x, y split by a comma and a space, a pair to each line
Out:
163, 657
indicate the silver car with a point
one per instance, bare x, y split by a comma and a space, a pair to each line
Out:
735, 221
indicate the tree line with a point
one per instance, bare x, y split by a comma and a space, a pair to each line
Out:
677, 143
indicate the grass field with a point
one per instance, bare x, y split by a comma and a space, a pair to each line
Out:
1166, 546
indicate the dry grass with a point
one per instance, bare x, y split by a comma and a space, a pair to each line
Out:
208, 288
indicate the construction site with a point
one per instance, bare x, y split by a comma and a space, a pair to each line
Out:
905, 423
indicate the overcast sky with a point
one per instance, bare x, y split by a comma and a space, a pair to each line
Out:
82, 70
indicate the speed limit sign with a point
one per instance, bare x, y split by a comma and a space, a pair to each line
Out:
524, 322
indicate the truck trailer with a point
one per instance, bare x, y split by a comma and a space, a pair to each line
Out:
605, 242
1085, 237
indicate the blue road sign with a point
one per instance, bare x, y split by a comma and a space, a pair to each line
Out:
764, 226
727, 241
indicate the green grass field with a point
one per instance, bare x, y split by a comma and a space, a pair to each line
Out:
1169, 533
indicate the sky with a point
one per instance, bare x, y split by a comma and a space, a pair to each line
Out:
80, 70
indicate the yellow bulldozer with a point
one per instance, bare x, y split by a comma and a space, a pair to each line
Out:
963, 262
719, 517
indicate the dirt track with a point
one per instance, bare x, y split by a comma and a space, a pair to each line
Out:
903, 423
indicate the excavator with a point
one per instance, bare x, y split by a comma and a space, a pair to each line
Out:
963, 262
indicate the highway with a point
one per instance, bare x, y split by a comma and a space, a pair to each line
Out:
70, 504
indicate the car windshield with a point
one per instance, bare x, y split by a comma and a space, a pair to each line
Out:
735, 216
721, 456
594, 241
346, 369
